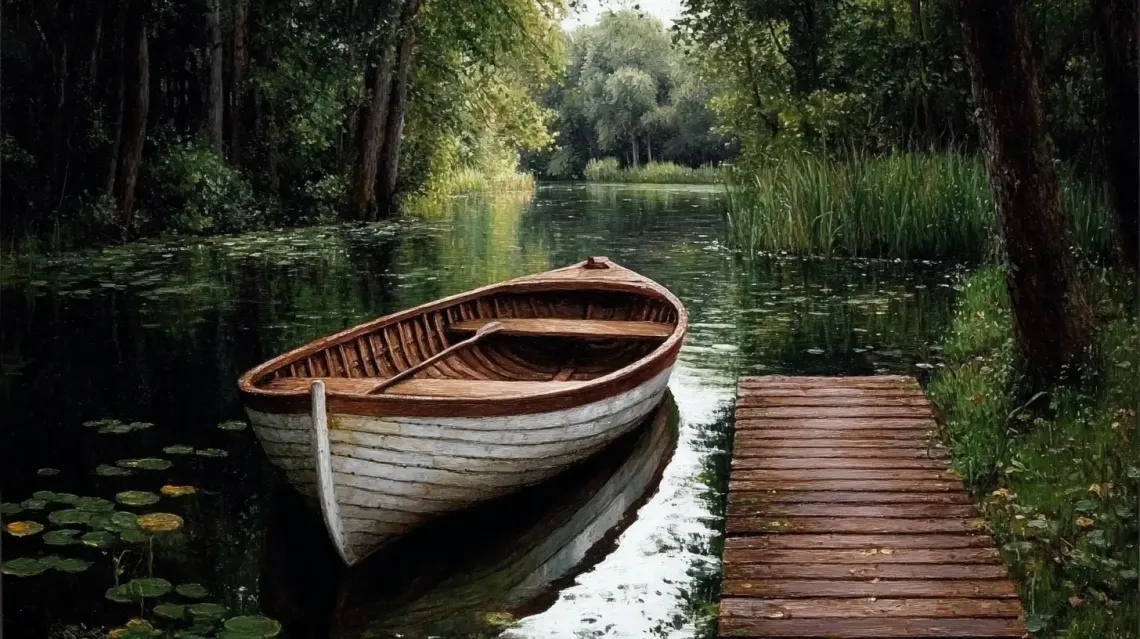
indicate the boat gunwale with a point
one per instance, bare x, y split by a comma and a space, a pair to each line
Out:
600, 388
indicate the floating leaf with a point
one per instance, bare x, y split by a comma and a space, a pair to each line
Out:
179, 449
63, 498
208, 610
9, 508
135, 629
121, 594
103, 470
232, 425
122, 520
94, 504
136, 498
61, 537
160, 522
212, 452
254, 626
170, 611
177, 491
149, 586
69, 517
115, 429
47, 472
44, 495
1084, 522
34, 504
71, 565
23, 567
24, 528
99, 539
192, 591
134, 536
146, 463
99, 423
99, 521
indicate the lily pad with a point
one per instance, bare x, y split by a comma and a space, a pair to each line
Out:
104, 470
63, 498
179, 449
23, 567
34, 504
192, 591
135, 629
146, 463
212, 452
160, 522
115, 429
47, 472
121, 594
208, 610
61, 537
149, 587
69, 517
133, 536
233, 425
99, 423
122, 520
44, 495
71, 565
99, 539
94, 504
9, 508
177, 491
170, 611
24, 528
136, 498
254, 626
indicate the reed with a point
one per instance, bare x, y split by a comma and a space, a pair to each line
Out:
899, 205
609, 170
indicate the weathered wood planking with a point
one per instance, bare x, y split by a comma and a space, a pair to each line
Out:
844, 519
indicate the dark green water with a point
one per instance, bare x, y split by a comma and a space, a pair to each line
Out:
625, 546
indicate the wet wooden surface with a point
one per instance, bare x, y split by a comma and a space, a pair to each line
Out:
844, 519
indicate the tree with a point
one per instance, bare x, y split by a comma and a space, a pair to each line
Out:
1051, 317
1116, 26
627, 96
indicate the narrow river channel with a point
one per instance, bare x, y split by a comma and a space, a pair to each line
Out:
625, 546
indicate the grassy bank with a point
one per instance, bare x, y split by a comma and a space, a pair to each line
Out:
905, 205
473, 181
609, 170
1058, 486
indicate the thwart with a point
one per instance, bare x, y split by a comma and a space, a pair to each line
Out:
399, 420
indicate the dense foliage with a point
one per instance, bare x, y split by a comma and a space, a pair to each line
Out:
128, 119
1068, 530
628, 92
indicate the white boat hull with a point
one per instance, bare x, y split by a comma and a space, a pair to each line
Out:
376, 478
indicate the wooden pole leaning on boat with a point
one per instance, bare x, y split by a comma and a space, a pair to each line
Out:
487, 329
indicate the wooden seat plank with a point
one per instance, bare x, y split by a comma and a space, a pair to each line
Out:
941, 588
855, 608
860, 541
752, 572
846, 497
808, 509
738, 525
870, 628
770, 463
580, 328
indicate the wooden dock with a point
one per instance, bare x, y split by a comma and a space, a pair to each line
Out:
843, 520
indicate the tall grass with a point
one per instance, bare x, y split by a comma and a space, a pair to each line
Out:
469, 181
904, 205
1057, 482
609, 170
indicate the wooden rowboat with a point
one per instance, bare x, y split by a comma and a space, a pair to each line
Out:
396, 421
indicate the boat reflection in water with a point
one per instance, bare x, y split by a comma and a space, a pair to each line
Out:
470, 574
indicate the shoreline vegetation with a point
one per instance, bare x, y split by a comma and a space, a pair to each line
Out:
1056, 477
899, 205
610, 170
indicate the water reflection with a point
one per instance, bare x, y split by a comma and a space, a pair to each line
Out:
474, 573
159, 333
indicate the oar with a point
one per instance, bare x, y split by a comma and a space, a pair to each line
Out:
487, 329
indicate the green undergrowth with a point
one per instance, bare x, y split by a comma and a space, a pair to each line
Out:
609, 170
897, 205
1057, 482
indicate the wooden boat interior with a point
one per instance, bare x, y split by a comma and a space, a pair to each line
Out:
546, 338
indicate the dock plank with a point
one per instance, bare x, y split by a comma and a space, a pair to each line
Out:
845, 520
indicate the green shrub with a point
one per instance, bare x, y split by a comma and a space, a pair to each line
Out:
198, 192
1056, 481
904, 205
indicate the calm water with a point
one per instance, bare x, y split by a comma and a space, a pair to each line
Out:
624, 546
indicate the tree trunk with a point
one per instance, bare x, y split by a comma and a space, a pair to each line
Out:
118, 40
649, 147
240, 63
1051, 317
393, 136
214, 101
136, 102
633, 146
372, 118
1116, 41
